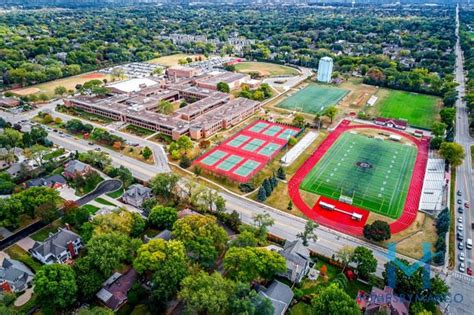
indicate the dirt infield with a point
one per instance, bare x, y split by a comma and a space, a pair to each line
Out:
26, 91
354, 227
94, 75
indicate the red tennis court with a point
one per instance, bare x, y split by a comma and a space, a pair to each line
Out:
353, 227
243, 155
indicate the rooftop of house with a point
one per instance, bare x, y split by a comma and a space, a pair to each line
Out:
279, 294
390, 120
383, 300
46, 181
75, 166
56, 243
136, 190
15, 272
114, 290
295, 252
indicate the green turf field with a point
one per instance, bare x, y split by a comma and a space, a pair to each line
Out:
380, 187
313, 99
420, 110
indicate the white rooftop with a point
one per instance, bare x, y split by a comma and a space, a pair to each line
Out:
133, 85
433, 186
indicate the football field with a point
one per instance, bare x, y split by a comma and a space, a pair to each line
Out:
375, 173
313, 99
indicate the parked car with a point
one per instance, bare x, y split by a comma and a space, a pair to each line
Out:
461, 256
462, 267
97, 149
466, 204
459, 193
459, 236
460, 246
460, 227
90, 143
460, 210
469, 271
460, 219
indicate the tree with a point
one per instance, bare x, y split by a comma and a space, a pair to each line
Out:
122, 221
438, 128
184, 143
89, 278
245, 239
332, 300
109, 251
37, 153
309, 232
96, 310
204, 293
247, 264
435, 143
452, 152
167, 262
60, 90
261, 194
299, 121
330, 113
165, 107
268, 187
163, 217
202, 236
164, 185
223, 87
263, 221
244, 300
281, 173
184, 162
365, 261
55, 286
377, 231
344, 255
448, 115
146, 153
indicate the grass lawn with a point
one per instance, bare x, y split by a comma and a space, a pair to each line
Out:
92, 209
301, 309
419, 109
173, 60
18, 253
104, 202
69, 83
43, 234
138, 131
313, 99
266, 69
116, 194
376, 182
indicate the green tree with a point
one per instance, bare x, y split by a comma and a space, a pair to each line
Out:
299, 121
332, 300
261, 194
448, 115
96, 310
330, 113
344, 255
309, 232
164, 185
244, 300
377, 231
163, 217
89, 278
365, 261
438, 128
247, 264
55, 286
262, 221
146, 153
223, 87
245, 239
165, 107
204, 293
281, 173
453, 153
60, 90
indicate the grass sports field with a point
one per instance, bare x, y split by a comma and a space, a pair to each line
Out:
313, 99
173, 60
420, 110
375, 173
265, 69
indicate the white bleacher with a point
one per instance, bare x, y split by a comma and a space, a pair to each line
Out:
299, 148
434, 186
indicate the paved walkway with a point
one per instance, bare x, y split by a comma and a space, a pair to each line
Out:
25, 297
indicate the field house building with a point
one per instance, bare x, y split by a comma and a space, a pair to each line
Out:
325, 69
208, 111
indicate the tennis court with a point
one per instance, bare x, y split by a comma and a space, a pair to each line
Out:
243, 155
313, 99
374, 173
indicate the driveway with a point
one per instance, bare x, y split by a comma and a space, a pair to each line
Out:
26, 243
104, 187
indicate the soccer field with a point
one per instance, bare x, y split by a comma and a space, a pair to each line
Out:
420, 110
375, 173
313, 99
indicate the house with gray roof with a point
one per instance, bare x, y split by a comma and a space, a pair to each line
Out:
76, 168
58, 248
115, 289
53, 181
14, 276
279, 294
298, 261
164, 235
136, 195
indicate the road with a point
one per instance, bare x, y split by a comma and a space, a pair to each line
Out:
461, 282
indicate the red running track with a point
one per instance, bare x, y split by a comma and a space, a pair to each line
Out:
355, 227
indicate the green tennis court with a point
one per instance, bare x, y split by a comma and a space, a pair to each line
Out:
246, 168
258, 127
212, 158
375, 173
285, 135
237, 141
313, 99
229, 162
269, 149
272, 131
253, 145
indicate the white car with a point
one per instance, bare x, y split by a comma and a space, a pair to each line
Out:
460, 227
462, 268
460, 219
461, 256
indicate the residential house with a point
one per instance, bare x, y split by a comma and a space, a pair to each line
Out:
115, 289
279, 294
59, 247
382, 302
55, 181
76, 168
14, 276
136, 195
298, 261
164, 235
